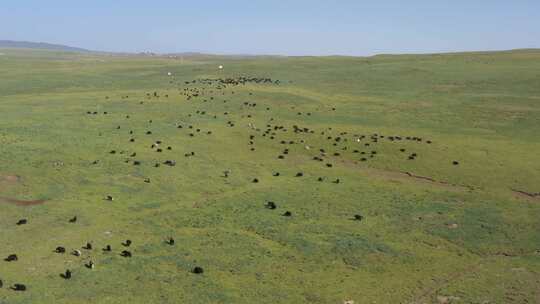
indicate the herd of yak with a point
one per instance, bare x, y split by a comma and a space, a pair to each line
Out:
208, 91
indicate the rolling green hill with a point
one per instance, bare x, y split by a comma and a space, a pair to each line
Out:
407, 178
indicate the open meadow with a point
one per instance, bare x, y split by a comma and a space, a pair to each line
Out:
384, 179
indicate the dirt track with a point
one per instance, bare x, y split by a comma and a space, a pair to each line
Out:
10, 180
21, 202
526, 194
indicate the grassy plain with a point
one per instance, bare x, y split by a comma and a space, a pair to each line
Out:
432, 231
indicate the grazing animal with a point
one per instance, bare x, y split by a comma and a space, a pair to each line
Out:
107, 248
170, 241
271, 205
455, 163
60, 250
88, 246
276, 174
337, 181
255, 180
127, 243
226, 173
109, 198
358, 217
22, 222
1, 284
66, 275
197, 270
19, 287
11, 258
299, 174
90, 265
287, 213
171, 163
73, 220
76, 253
126, 254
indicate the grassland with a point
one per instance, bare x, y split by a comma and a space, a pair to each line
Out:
432, 231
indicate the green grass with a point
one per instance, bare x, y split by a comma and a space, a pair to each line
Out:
465, 234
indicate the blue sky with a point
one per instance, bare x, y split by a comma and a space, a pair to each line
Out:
294, 27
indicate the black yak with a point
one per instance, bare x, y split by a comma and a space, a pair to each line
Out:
358, 217
66, 275
271, 205
11, 258
19, 287
22, 222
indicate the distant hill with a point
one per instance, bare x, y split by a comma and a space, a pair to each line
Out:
40, 45
65, 48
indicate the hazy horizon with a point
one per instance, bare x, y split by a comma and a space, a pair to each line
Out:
355, 28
